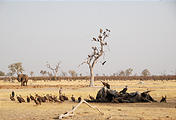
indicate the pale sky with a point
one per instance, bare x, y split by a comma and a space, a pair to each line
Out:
143, 34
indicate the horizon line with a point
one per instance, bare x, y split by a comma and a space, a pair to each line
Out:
87, 0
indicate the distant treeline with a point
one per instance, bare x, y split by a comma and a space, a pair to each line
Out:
168, 77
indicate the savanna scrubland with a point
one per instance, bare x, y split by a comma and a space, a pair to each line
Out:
12, 110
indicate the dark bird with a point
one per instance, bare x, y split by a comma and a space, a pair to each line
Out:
49, 98
106, 84
28, 99
91, 97
32, 98
20, 99
163, 99
61, 98
13, 94
103, 62
43, 99
36, 102
55, 99
79, 99
60, 91
39, 100
73, 99
12, 98
65, 97
124, 90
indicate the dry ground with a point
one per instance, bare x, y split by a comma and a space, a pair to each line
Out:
10, 110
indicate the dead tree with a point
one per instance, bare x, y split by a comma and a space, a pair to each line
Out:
54, 69
97, 52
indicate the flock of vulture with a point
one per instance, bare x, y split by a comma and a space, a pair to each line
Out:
38, 99
105, 94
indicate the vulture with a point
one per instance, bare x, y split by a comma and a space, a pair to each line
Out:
61, 98
79, 99
55, 99
28, 99
20, 99
43, 99
12, 98
60, 91
39, 100
49, 98
13, 94
65, 97
124, 90
73, 99
36, 102
106, 84
32, 98
163, 99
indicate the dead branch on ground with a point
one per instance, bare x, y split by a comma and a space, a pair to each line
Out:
70, 113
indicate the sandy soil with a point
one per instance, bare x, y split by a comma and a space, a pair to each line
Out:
10, 110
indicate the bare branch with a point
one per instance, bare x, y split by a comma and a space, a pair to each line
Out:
54, 69
70, 113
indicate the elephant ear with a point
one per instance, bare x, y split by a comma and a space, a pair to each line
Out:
19, 78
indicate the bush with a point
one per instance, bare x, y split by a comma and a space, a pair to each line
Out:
2, 73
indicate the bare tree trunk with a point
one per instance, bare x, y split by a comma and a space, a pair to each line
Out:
55, 74
91, 77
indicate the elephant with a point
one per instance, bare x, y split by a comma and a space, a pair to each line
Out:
23, 78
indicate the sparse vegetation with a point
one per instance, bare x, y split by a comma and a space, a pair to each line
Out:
128, 71
43, 72
98, 78
145, 72
15, 68
72, 73
2, 73
55, 69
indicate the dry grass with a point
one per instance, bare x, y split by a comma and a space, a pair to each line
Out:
127, 111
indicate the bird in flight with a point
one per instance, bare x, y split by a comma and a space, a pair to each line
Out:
103, 62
